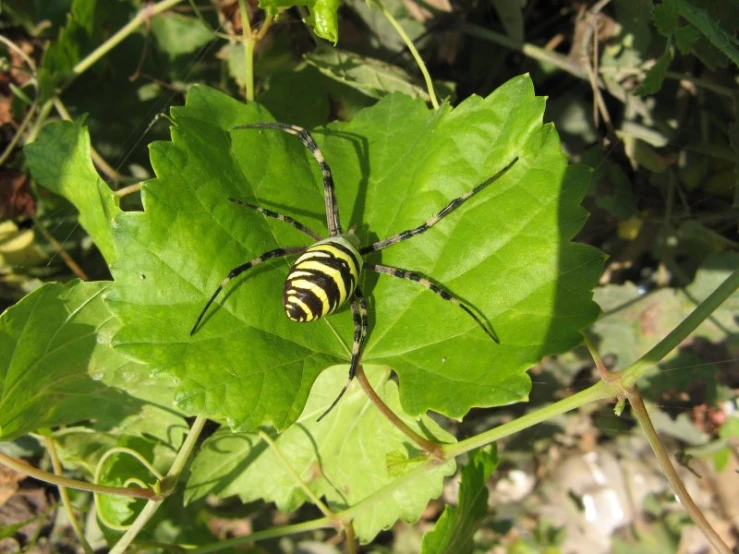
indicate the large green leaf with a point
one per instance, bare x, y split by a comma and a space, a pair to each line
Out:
56, 367
347, 457
506, 251
60, 161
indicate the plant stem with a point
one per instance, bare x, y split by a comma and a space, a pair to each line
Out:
69, 261
249, 43
639, 411
413, 51
631, 375
47, 477
432, 447
170, 480
322, 523
303, 485
599, 391
130, 189
64, 495
144, 15
39, 123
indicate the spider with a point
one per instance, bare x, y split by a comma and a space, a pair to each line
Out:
326, 274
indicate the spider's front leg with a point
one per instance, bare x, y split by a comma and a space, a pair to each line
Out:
361, 329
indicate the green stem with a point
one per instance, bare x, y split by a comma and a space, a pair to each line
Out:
59, 481
249, 43
639, 411
322, 523
39, 123
430, 446
302, 484
144, 15
170, 480
413, 51
599, 391
64, 495
633, 373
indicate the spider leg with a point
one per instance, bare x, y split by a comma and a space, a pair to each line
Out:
359, 311
332, 209
286, 218
235, 272
446, 210
437, 289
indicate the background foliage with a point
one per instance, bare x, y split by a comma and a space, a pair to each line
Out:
102, 281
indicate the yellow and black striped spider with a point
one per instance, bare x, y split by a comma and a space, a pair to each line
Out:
327, 273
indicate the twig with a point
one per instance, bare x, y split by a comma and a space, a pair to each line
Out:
303, 485
54, 479
144, 15
172, 477
27, 119
429, 446
639, 411
249, 41
59, 249
130, 189
64, 495
416, 56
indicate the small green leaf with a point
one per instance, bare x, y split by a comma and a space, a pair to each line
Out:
686, 38
60, 161
63, 54
635, 321
322, 17
656, 74
347, 457
368, 75
177, 34
55, 362
665, 17
456, 526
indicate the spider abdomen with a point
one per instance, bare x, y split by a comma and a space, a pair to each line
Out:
322, 279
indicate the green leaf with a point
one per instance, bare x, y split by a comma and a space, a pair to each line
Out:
347, 457
633, 322
507, 251
177, 34
665, 16
719, 37
510, 14
55, 363
60, 161
322, 17
656, 74
686, 38
456, 526
62, 55
368, 75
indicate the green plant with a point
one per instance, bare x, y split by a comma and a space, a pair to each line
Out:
105, 371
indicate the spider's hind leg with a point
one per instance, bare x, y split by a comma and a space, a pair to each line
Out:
433, 287
235, 272
332, 208
359, 311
